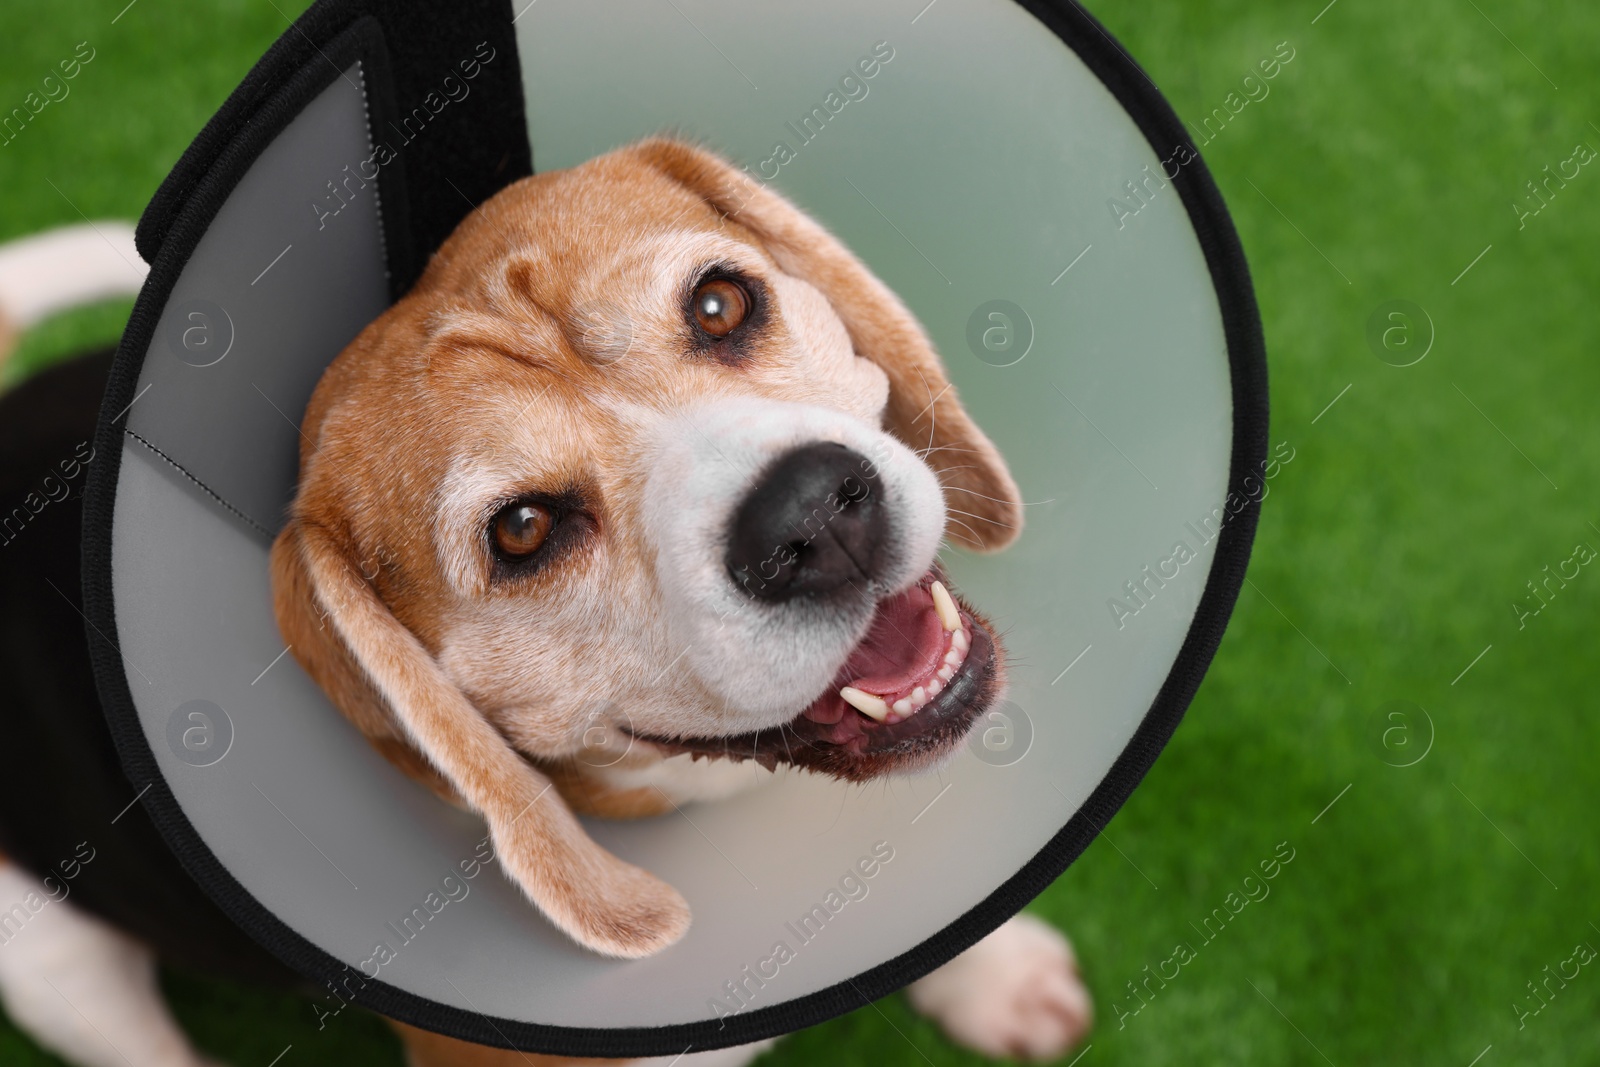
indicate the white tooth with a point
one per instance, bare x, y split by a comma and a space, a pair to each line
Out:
903, 706
872, 706
946, 673
958, 640
945, 606
919, 696
953, 658
934, 686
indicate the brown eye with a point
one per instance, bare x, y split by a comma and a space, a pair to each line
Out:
520, 529
720, 306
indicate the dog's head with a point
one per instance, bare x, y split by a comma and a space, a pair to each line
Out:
646, 454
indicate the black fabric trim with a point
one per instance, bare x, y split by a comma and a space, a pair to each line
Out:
440, 177
170, 230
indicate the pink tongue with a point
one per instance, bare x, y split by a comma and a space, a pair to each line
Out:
904, 645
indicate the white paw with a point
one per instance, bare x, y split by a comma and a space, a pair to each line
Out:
81, 988
1015, 993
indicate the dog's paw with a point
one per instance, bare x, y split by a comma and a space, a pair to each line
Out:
1016, 993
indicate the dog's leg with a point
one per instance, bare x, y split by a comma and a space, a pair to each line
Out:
79, 987
427, 1049
1015, 993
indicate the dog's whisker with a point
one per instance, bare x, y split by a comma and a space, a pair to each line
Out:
813, 745
933, 414
924, 453
982, 518
958, 488
844, 795
1023, 503
965, 526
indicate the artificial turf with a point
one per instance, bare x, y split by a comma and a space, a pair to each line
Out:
1391, 553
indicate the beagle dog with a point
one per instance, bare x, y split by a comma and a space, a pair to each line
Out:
636, 496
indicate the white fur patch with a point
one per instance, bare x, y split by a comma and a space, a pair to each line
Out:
81, 988
763, 658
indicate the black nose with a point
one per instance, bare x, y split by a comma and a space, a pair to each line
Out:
813, 524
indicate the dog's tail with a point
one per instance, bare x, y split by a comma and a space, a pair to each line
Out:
62, 269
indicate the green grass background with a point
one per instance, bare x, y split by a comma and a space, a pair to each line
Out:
1386, 157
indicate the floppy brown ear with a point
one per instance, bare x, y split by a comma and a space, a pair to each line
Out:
924, 411
600, 901
311, 636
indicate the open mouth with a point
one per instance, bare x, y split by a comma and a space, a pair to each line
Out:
908, 693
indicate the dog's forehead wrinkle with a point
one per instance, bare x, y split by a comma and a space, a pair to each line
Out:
508, 288
456, 337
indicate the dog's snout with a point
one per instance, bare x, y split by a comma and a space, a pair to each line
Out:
813, 524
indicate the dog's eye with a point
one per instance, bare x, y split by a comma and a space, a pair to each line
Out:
520, 530
720, 305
